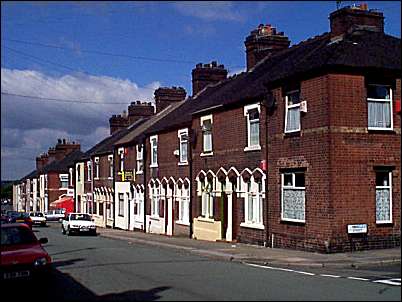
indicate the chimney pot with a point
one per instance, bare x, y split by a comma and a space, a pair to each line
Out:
207, 74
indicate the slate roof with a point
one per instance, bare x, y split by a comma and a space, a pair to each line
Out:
106, 145
362, 49
32, 174
136, 134
63, 164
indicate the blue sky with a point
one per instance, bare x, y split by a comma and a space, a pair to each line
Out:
120, 52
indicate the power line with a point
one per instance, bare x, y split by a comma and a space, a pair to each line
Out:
58, 64
165, 60
60, 100
102, 53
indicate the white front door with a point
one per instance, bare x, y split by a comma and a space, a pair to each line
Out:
169, 216
229, 231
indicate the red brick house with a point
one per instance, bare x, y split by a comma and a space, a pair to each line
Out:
333, 141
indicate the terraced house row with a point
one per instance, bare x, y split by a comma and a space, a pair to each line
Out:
300, 151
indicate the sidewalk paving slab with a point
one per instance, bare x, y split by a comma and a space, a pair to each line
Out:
240, 252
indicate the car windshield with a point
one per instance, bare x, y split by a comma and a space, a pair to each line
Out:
17, 235
80, 217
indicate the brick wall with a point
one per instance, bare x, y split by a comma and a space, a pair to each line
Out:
229, 138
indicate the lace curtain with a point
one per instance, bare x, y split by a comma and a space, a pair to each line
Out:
293, 204
383, 209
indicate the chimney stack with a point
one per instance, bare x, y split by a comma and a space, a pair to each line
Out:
348, 18
205, 74
137, 110
41, 161
262, 42
117, 122
64, 147
164, 96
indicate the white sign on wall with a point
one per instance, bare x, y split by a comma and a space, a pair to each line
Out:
357, 228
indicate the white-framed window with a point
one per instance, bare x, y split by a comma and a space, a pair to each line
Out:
383, 197
293, 196
120, 152
184, 205
139, 203
111, 169
379, 102
89, 168
140, 159
78, 168
292, 111
96, 160
252, 113
183, 145
154, 151
46, 183
121, 204
206, 126
254, 203
207, 207
63, 181
155, 199
70, 170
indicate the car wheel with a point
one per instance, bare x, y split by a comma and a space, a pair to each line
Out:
63, 230
68, 231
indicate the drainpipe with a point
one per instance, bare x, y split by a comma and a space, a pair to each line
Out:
144, 156
114, 187
190, 165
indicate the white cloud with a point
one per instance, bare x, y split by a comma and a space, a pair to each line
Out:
236, 71
209, 10
31, 126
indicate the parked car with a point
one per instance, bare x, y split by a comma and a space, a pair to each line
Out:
78, 223
19, 217
38, 218
55, 215
22, 254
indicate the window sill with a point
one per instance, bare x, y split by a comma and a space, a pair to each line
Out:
139, 172
183, 163
182, 223
110, 178
252, 148
207, 154
154, 166
293, 221
384, 222
252, 226
380, 130
153, 217
203, 219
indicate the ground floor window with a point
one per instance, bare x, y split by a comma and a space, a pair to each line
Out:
207, 207
293, 196
383, 196
254, 203
155, 199
121, 204
184, 205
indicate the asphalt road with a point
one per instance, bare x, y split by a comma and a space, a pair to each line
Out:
88, 268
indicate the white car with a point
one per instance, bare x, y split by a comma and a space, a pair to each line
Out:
38, 218
78, 223
55, 215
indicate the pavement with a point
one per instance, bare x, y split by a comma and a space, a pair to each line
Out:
240, 252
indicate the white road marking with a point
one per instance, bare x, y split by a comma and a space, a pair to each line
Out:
331, 276
357, 278
394, 281
389, 282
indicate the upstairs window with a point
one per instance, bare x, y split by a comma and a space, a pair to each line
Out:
110, 160
206, 126
183, 145
120, 152
293, 196
78, 172
383, 197
252, 112
292, 111
140, 159
154, 151
71, 176
96, 168
89, 166
379, 101
63, 181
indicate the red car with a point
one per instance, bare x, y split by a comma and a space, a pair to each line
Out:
22, 254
